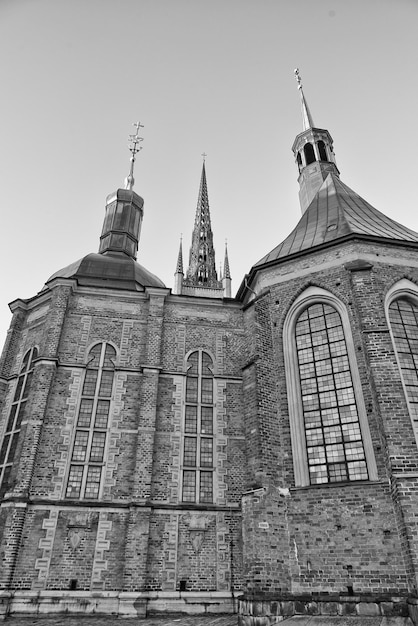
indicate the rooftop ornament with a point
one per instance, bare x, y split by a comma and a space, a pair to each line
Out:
134, 147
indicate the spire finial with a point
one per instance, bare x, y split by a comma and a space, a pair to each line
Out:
133, 141
307, 120
204, 155
298, 78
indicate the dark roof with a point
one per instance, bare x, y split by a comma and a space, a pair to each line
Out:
335, 212
109, 270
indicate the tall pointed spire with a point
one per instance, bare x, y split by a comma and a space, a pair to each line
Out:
314, 154
179, 274
202, 270
307, 121
227, 273
226, 278
179, 267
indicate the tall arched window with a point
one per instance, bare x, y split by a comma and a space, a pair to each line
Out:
332, 430
309, 153
198, 441
88, 452
16, 415
330, 436
322, 151
403, 316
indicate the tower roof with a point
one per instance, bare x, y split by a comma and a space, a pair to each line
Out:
336, 212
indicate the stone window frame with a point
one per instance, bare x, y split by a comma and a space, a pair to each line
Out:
406, 289
184, 434
317, 295
86, 464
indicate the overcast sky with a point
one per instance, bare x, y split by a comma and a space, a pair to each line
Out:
212, 76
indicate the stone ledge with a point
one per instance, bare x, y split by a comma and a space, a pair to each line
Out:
257, 610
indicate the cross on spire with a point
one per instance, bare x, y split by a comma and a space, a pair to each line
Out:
134, 148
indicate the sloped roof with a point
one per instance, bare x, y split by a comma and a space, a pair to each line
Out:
109, 270
335, 212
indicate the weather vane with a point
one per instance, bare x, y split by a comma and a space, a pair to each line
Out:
298, 78
204, 155
134, 148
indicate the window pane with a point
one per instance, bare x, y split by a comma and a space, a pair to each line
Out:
97, 447
80, 445
90, 381
207, 365
21, 414
106, 384
13, 447
206, 488
94, 356
4, 448
207, 390
191, 389
10, 423
192, 364
190, 425
206, 426
109, 357
19, 386
102, 414
206, 452
5, 485
190, 451
93, 482
189, 486
84, 415
74, 481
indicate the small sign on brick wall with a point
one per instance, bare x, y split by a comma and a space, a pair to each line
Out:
263, 525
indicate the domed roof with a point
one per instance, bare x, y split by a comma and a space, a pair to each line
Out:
115, 271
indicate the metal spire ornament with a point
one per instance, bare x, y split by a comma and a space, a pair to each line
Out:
133, 144
307, 120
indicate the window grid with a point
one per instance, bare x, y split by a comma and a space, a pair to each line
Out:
333, 438
16, 416
198, 460
87, 458
403, 315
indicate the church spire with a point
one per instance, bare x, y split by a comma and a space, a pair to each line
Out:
307, 121
201, 272
314, 154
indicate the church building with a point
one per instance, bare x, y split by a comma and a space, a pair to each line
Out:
178, 449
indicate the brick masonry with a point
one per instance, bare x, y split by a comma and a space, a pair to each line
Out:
262, 534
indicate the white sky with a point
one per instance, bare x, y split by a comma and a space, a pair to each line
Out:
212, 76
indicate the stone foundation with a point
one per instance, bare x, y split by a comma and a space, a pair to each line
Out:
272, 609
118, 603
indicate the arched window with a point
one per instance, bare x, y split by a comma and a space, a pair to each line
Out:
299, 161
309, 153
88, 452
198, 441
322, 151
403, 316
330, 436
16, 415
